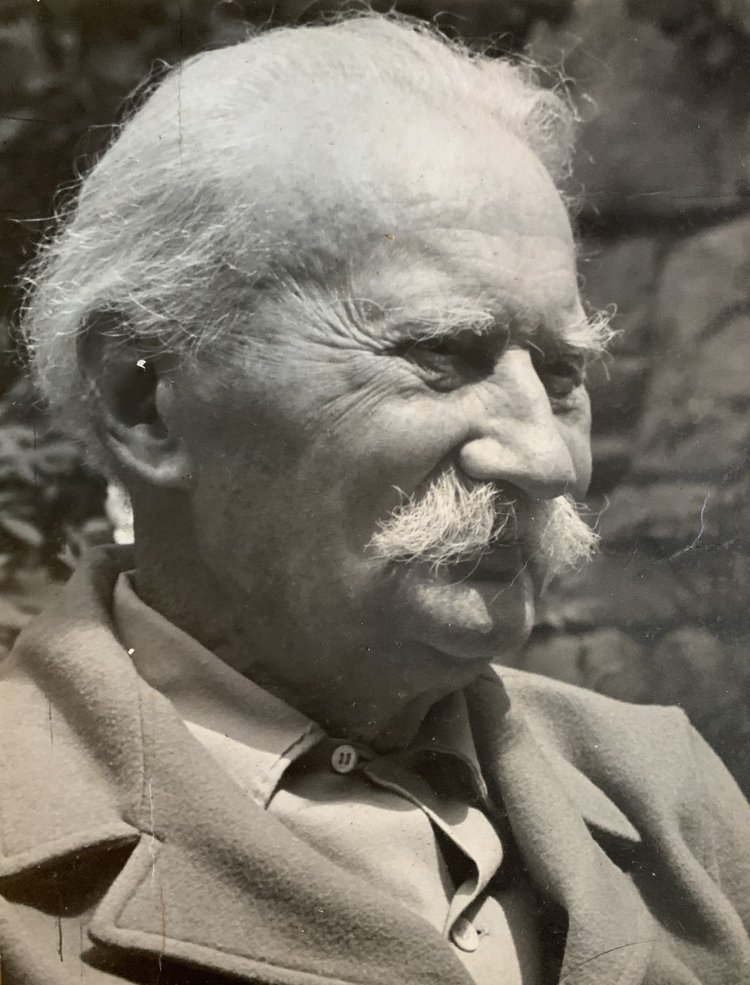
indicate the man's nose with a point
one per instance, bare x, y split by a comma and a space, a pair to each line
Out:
519, 441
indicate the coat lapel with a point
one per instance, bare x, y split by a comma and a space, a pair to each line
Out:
610, 933
220, 884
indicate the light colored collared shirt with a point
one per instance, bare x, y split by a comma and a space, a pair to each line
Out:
380, 817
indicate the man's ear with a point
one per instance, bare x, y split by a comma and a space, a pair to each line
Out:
134, 396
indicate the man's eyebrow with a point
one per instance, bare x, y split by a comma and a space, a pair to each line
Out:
589, 335
425, 330
418, 325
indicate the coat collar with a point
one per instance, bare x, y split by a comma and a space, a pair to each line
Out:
548, 803
533, 705
81, 711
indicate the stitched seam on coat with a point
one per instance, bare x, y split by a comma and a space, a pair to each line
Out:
708, 844
145, 807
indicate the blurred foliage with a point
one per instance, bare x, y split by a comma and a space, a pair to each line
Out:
694, 17
716, 32
50, 503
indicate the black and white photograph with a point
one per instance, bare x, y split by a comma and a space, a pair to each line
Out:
374, 492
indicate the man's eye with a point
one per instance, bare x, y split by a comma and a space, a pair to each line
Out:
561, 375
451, 360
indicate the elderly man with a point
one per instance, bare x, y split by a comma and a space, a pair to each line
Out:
316, 309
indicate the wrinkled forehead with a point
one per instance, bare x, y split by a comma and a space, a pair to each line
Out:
389, 167
382, 185
479, 211
431, 209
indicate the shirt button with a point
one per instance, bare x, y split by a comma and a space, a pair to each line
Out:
344, 759
464, 935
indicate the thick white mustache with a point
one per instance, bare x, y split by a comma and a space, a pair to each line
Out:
453, 522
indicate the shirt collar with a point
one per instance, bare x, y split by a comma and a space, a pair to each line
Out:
446, 731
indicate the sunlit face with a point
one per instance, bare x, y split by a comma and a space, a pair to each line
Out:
316, 432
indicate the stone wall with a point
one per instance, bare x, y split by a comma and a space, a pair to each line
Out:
664, 614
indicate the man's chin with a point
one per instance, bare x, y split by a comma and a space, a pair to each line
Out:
483, 617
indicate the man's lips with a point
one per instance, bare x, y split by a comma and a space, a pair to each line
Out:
499, 563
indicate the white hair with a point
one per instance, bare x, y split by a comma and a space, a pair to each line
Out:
192, 216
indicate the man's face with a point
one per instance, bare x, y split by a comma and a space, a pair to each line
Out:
316, 431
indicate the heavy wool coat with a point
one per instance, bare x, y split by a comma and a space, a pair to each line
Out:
126, 855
